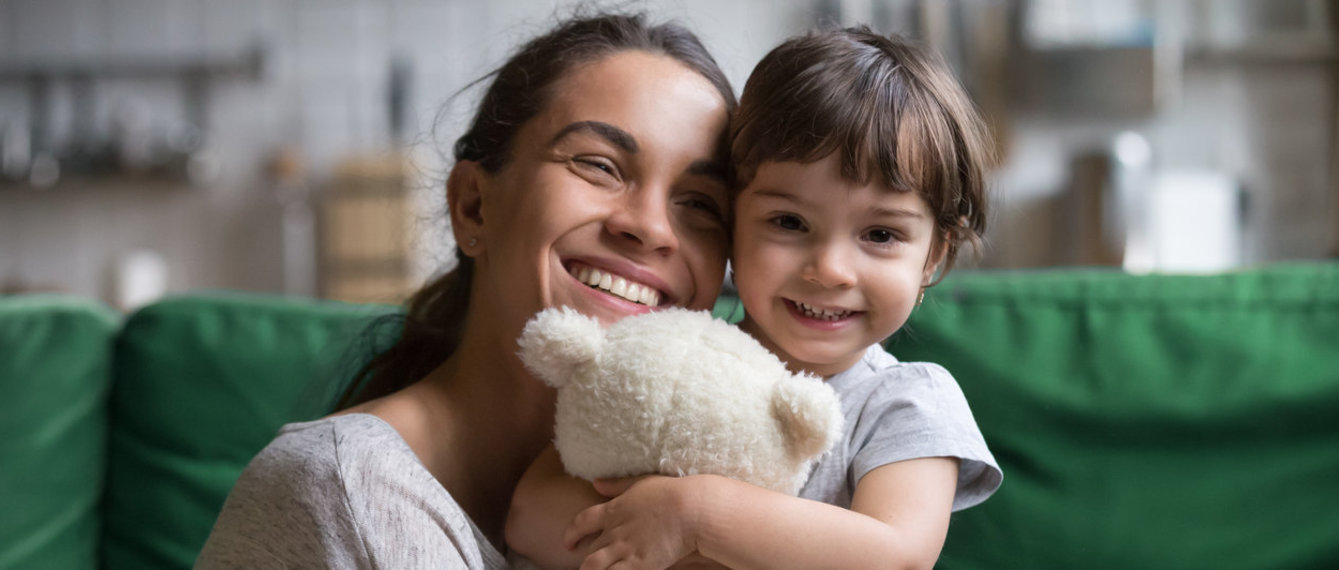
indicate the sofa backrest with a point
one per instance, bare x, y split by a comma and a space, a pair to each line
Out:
55, 367
202, 383
1146, 421
1141, 421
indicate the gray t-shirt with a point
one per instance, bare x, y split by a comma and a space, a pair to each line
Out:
896, 411
343, 492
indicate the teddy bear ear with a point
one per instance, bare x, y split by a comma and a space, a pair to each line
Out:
556, 341
810, 415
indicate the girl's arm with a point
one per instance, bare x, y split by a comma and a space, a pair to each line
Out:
898, 519
543, 505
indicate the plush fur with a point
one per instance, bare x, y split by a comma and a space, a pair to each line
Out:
678, 392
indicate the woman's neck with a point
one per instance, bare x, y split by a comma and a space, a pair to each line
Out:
476, 422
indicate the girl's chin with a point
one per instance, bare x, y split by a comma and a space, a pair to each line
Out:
827, 362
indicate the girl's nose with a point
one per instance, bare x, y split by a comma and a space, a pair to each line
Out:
830, 266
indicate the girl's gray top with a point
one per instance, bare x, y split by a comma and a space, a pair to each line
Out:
896, 411
343, 492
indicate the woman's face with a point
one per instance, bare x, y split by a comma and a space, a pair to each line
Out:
613, 201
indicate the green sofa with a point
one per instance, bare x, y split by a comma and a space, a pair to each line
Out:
1141, 421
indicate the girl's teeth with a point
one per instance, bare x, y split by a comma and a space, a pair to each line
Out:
617, 286
824, 314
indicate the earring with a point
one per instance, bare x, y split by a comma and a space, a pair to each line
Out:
473, 242
921, 297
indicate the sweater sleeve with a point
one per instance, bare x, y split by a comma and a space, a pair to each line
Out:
287, 510
343, 492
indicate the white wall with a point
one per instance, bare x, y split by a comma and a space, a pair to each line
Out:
323, 92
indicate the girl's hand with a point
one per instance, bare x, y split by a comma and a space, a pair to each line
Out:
649, 523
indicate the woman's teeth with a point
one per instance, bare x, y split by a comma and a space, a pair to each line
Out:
822, 314
617, 286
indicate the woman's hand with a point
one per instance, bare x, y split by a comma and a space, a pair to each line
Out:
649, 522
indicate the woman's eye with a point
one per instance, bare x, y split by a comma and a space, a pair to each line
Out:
597, 164
705, 204
788, 222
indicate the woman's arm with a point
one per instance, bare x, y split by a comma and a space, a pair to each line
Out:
543, 505
898, 519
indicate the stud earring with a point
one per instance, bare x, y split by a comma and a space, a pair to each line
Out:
473, 241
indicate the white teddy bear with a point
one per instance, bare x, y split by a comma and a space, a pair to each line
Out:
678, 392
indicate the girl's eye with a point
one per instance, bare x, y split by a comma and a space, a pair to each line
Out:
788, 222
881, 235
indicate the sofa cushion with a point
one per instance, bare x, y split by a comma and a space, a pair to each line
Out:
1146, 421
55, 362
201, 384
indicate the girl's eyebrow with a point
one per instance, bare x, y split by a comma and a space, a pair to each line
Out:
779, 194
896, 213
616, 136
877, 211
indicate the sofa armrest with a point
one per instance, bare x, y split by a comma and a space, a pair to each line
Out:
55, 369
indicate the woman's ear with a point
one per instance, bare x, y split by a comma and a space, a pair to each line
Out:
464, 198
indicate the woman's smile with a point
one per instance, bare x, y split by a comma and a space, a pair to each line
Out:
620, 286
620, 212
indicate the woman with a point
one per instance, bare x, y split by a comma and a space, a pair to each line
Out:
597, 145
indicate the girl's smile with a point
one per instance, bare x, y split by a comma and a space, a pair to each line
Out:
821, 318
826, 266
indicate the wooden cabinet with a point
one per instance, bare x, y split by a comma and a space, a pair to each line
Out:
365, 218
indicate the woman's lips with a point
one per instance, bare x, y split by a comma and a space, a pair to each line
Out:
617, 285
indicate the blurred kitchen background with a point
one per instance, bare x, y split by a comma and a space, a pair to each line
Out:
297, 146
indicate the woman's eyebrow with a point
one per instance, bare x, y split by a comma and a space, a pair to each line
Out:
714, 169
618, 137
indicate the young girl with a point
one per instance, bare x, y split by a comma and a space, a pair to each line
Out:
860, 162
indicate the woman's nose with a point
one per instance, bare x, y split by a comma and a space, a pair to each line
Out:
830, 266
643, 217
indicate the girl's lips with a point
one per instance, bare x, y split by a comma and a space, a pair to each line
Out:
821, 322
820, 312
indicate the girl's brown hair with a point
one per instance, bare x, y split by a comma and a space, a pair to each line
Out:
518, 91
889, 108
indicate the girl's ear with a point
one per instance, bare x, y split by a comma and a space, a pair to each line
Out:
933, 262
464, 197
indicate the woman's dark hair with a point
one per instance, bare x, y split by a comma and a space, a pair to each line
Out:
888, 107
518, 91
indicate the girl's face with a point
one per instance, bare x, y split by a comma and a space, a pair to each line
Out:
613, 200
826, 267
